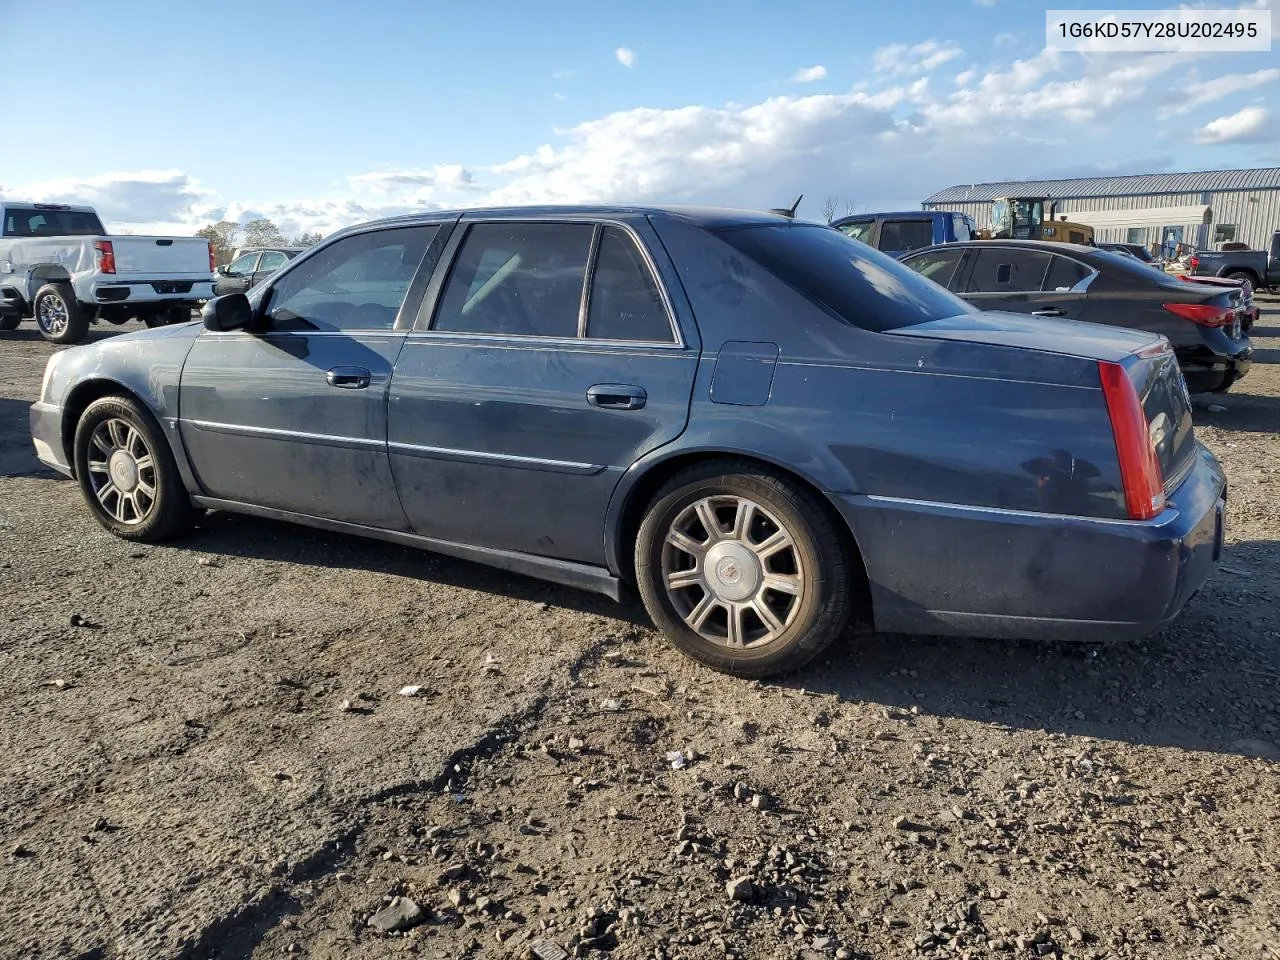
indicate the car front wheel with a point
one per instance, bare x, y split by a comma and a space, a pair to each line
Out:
127, 472
743, 569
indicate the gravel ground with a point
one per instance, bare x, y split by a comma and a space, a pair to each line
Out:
205, 754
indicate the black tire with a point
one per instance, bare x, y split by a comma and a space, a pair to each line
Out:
1243, 275
153, 320
9, 322
179, 314
169, 512
59, 315
805, 625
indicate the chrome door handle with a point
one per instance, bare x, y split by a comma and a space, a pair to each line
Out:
349, 378
617, 396
1051, 312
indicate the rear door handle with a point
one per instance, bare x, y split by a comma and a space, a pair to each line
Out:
617, 396
1051, 312
349, 378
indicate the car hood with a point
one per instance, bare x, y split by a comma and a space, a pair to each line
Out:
1045, 334
189, 330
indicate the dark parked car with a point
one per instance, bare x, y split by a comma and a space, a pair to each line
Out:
251, 268
900, 233
765, 426
1258, 268
1203, 322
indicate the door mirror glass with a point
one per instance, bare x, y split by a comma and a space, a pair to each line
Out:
232, 312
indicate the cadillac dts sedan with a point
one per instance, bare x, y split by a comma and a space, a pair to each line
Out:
768, 429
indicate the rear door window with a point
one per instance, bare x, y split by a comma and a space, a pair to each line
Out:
899, 235
625, 303
517, 279
1007, 270
1064, 273
961, 226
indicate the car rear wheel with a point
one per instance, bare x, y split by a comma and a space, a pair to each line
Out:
127, 472
59, 315
743, 569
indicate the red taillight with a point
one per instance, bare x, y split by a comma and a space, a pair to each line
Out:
1194, 262
1140, 473
213, 259
1205, 314
106, 256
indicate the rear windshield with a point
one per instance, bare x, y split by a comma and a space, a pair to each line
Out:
51, 223
859, 285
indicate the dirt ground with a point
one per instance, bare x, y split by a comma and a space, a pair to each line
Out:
203, 753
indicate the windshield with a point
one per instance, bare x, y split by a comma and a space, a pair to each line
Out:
51, 223
858, 284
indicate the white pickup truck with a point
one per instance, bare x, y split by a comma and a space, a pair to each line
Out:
58, 265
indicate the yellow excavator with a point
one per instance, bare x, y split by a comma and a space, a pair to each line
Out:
1023, 218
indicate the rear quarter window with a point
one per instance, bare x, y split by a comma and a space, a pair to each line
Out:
857, 284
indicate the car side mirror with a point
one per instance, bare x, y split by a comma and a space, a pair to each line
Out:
230, 312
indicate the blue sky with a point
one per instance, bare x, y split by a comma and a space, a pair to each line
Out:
324, 113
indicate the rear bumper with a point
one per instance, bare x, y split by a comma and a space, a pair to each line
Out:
1215, 367
46, 434
151, 291
975, 571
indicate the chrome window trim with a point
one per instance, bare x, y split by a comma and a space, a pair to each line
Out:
599, 223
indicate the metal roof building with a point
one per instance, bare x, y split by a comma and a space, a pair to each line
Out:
1199, 210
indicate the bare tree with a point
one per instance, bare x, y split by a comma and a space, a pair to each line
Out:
833, 204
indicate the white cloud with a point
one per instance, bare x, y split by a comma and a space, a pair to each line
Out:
1050, 113
1250, 125
985, 3
559, 96
899, 58
809, 74
564, 75
1199, 92
141, 196
626, 56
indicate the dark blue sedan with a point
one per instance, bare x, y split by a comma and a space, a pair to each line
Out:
769, 429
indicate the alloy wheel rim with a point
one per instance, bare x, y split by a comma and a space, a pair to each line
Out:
122, 471
733, 572
51, 313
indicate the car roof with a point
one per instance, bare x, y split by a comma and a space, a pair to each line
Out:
33, 205
905, 214
710, 217
1076, 249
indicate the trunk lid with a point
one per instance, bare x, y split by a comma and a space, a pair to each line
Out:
148, 257
1068, 337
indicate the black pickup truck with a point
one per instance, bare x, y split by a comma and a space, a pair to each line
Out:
1259, 268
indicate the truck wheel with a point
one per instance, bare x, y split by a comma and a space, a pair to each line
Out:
180, 314
59, 315
1245, 277
9, 322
